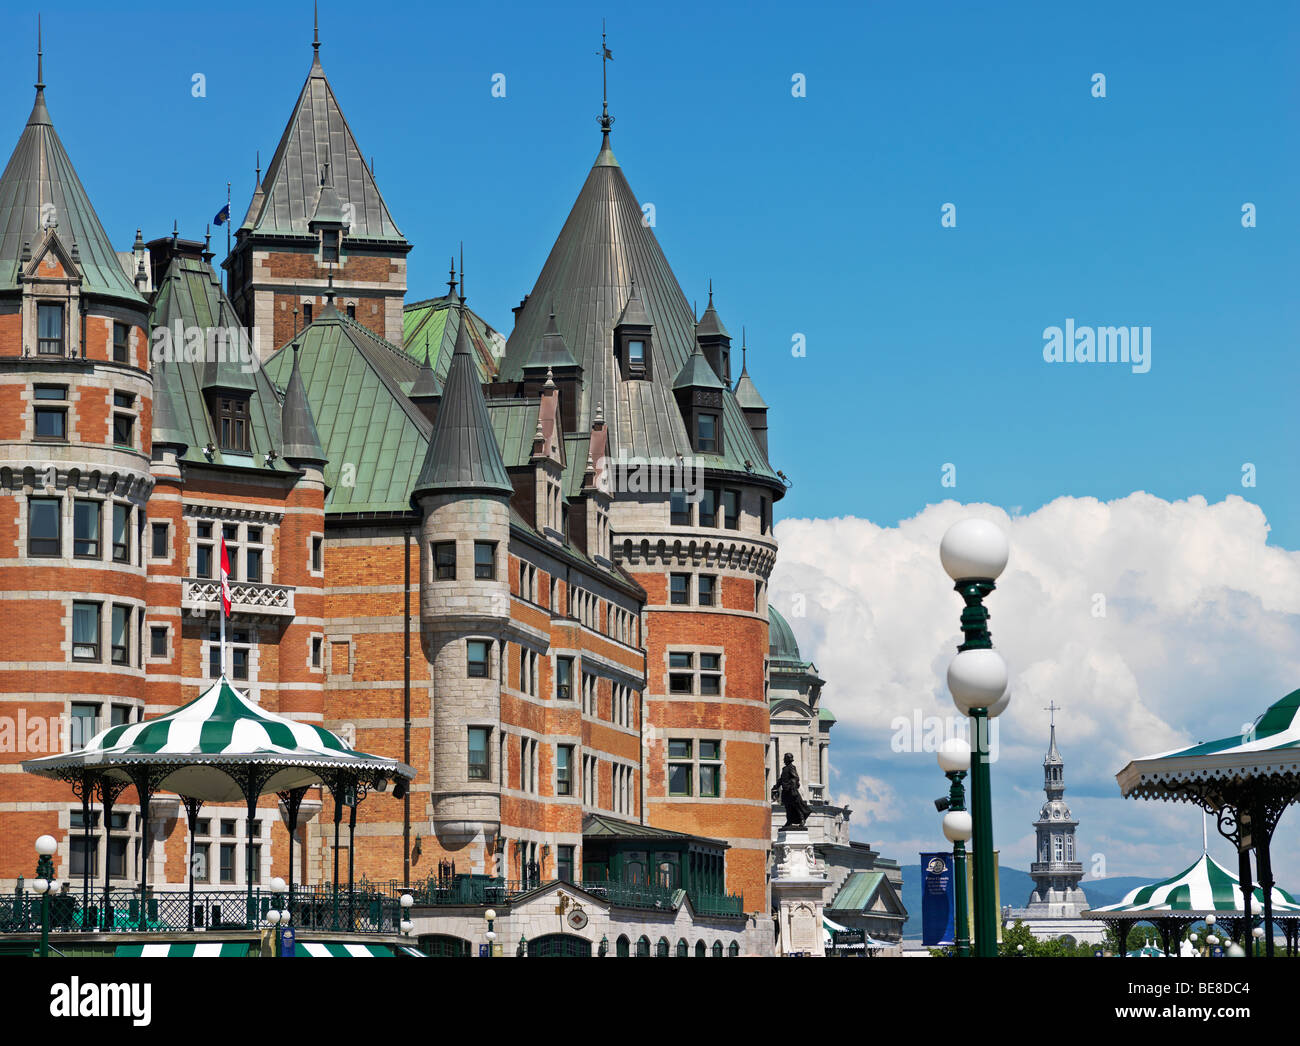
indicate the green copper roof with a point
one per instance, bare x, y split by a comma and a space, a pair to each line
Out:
599, 826
514, 421
857, 893
463, 454
40, 188
746, 391
824, 714
318, 134
781, 644
190, 295
373, 436
603, 246
429, 331
301, 442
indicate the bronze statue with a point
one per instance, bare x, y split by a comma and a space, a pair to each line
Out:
786, 791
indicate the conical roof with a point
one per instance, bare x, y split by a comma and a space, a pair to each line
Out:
746, 391
426, 382
318, 134
587, 279
40, 187
710, 324
301, 443
552, 352
167, 430
463, 454
697, 373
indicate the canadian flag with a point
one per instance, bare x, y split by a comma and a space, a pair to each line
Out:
225, 577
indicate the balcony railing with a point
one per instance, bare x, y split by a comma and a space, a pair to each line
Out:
248, 597
168, 910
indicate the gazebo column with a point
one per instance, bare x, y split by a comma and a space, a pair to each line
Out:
1247, 887
292, 800
192, 807
144, 783
108, 793
1166, 930
359, 790
252, 780
83, 787
1265, 865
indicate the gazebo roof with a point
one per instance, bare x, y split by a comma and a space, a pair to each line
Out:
202, 748
1269, 748
1206, 888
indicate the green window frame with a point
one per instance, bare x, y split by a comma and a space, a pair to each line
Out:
622, 947
681, 767
643, 947
683, 949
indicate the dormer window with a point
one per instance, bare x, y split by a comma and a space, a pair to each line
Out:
636, 358
232, 422
306, 313
49, 326
329, 246
706, 433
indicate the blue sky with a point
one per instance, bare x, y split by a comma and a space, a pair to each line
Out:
817, 216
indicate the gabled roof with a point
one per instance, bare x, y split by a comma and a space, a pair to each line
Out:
39, 186
371, 433
603, 246
860, 891
317, 133
190, 294
463, 454
601, 826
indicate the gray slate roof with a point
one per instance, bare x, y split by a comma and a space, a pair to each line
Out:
587, 278
40, 173
463, 452
317, 134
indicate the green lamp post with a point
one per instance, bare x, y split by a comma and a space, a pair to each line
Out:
490, 917
954, 761
44, 885
974, 553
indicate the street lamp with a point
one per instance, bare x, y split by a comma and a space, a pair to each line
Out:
954, 761
277, 917
490, 916
974, 553
603, 950
406, 926
44, 884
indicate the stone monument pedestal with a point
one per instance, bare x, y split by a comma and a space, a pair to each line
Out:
798, 893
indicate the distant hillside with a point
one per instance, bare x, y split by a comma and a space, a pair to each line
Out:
1016, 886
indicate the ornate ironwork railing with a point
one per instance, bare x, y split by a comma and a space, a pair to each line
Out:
166, 910
251, 597
479, 890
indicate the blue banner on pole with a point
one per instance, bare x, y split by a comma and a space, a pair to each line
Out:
287, 942
938, 905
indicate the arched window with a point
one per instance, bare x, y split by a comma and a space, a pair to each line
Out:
717, 949
733, 949
623, 947
661, 949
683, 949
701, 950
643, 947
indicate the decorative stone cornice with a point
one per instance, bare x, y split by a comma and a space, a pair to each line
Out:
18, 477
741, 555
243, 513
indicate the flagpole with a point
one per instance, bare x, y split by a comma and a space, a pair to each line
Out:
226, 266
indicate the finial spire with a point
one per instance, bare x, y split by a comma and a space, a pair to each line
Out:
606, 56
451, 278
710, 292
40, 58
315, 27
259, 167
462, 274
744, 352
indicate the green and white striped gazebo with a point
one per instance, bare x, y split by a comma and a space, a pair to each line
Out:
221, 747
1206, 888
1245, 781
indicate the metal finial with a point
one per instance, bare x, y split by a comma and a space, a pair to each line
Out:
451, 278
40, 58
315, 27
744, 362
462, 273
259, 167
606, 56
207, 236
176, 231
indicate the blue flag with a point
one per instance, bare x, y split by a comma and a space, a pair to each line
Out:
223, 216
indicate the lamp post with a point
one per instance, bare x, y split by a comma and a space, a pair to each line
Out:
43, 885
1258, 934
406, 926
603, 950
490, 917
974, 554
954, 761
277, 917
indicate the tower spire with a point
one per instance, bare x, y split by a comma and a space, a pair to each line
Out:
451, 278
462, 276
315, 27
606, 56
40, 58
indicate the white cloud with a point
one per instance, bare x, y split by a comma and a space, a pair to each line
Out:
1201, 632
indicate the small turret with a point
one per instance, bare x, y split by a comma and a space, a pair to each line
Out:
300, 446
752, 405
714, 341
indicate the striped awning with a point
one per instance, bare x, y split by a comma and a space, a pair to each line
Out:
1270, 747
1204, 888
324, 950
217, 731
202, 950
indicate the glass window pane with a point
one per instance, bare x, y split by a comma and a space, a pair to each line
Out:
679, 779
710, 662
85, 528
678, 659
710, 750
85, 631
679, 748
51, 424
709, 779
44, 527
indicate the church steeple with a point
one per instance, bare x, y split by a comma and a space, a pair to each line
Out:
1058, 867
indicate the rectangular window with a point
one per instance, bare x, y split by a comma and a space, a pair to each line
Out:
680, 593
681, 509
317, 650
564, 863
84, 721
159, 532
121, 637
444, 561
117, 855
708, 507
44, 527
681, 675
121, 342
49, 328
239, 662
123, 430
329, 247
124, 399
121, 533
230, 533
476, 653
51, 423
50, 392
227, 862
485, 553
765, 516
706, 433
85, 631
253, 564
85, 529
680, 773
317, 553
711, 768
563, 678
202, 862
119, 715
232, 423
306, 313
157, 641
203, 554
478, 753
79, 850
731, 509
563, 769
707, 585
636, 357
710, 673
352, 312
